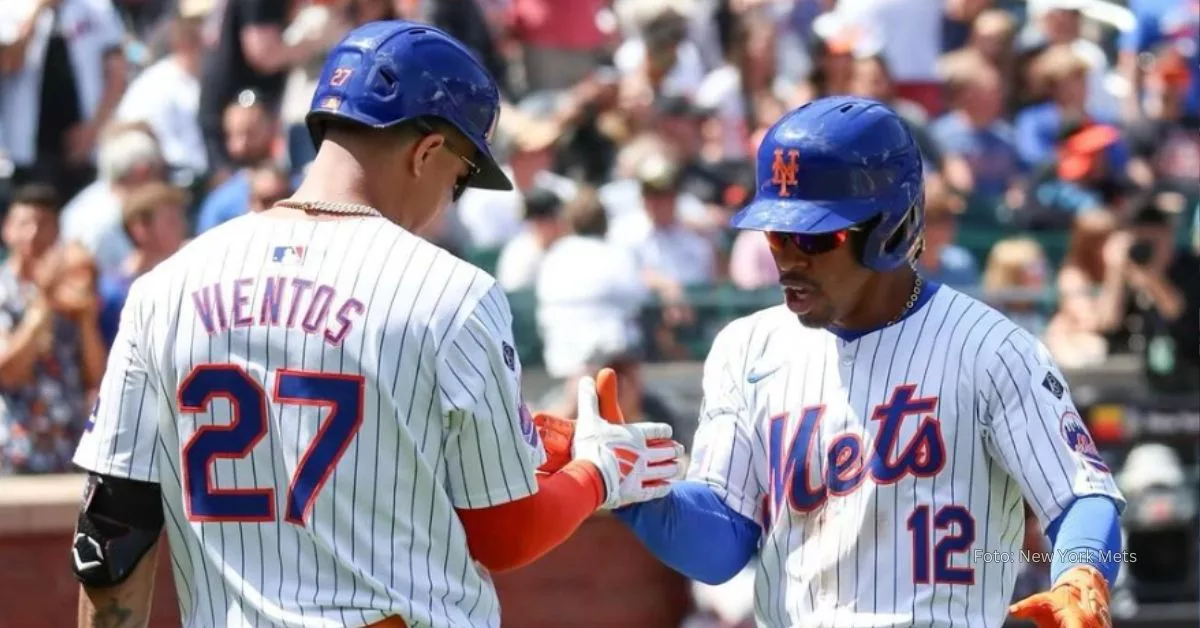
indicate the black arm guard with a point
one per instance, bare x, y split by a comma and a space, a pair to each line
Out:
119, 522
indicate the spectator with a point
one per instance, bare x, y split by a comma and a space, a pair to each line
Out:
1166, 142
670, 255
52, 354
974, 131
909, 34
832, 50
992, 37
1160, 24
60, 81
1091, 290
1164, 282
658, 61
1060, 75
269, 184
1060, 23
129, 157
521, 258
250, 132
1014, 278
155, 219
1082, 179
246, 51
943, 261
562, 40
589, 293
166, 96
310, 21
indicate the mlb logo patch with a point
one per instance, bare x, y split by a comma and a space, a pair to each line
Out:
1076, 435
288, 254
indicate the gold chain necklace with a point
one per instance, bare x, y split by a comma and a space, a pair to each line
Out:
912, 300
345, 209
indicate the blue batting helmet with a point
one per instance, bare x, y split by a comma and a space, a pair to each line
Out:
837, 163
390, 72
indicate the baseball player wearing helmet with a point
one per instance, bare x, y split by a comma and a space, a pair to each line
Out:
322, 409
871, 440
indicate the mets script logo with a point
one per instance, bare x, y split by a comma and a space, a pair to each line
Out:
783, 171
1080, 441
849, 460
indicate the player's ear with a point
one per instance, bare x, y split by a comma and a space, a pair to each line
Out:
424, 150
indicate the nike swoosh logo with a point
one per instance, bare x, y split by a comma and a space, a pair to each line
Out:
756, 375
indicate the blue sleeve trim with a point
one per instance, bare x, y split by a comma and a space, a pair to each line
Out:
695, 533
1088, 532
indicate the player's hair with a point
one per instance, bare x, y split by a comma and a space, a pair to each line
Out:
146, 199
337, 129
38, 195
585, 214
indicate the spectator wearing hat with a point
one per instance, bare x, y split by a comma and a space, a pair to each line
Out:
62, 73
589, 292
129, 157
670, 254
52, 354
521, 258
155, 219
944, 261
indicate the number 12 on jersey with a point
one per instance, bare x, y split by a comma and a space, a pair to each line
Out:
953, 542
341, 394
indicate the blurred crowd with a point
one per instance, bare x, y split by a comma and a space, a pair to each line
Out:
1061, 140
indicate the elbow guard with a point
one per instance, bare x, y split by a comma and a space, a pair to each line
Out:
119, 522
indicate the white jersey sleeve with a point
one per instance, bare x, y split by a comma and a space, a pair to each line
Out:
1034, 430
723, 447
120, 436
492, 448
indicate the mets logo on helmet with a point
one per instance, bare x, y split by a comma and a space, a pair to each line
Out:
1080, 441
783, 172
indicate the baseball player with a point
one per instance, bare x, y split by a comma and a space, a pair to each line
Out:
321, 408
871, 440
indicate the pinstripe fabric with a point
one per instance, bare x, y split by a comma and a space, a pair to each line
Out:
440, 423
847, 524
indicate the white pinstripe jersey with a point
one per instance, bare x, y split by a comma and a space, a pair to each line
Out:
316, 399
882, 468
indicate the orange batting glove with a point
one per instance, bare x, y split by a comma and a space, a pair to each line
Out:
1078, 599
558, 434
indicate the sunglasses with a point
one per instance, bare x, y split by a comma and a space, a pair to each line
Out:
461, 183
808, 243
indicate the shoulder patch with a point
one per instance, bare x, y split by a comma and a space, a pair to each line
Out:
1079, 440
1052, 384
510, 356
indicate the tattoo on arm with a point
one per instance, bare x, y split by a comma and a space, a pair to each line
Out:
111, 615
